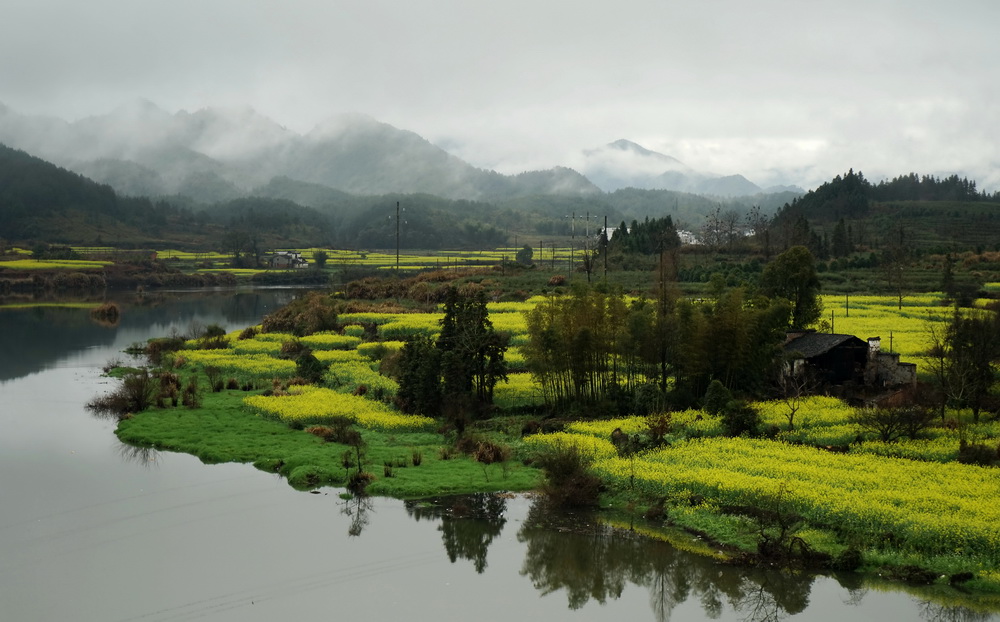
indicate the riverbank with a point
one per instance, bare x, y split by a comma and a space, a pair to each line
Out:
419, 461
773, 500
405, 463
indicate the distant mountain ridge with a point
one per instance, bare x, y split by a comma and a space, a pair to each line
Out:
215, 154
626, 164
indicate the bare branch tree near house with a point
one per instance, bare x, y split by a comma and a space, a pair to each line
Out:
892, 424
793, 386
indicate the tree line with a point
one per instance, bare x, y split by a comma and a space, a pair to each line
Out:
637, 354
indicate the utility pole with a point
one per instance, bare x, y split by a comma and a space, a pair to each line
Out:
604, 251
397, 239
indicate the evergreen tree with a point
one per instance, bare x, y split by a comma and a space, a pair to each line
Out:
792, 276
472, 352
841, 243
420, 377
525, 255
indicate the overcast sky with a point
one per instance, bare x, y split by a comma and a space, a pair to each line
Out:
808, 88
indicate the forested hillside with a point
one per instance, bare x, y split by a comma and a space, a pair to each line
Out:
41, 202
918, 213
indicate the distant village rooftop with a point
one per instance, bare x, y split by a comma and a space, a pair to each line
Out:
287, 259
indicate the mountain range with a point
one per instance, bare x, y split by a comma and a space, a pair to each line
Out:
217, 154
625, 164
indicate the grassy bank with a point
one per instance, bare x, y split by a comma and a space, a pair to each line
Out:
224, 429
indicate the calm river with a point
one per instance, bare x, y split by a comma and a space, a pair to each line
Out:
94, 530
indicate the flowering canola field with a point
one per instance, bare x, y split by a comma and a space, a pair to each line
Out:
878, 316
309, 404
921, 506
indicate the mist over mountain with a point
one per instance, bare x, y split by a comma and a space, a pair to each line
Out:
220, 154
625, 164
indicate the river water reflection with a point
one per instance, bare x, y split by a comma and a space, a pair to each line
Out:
91, 529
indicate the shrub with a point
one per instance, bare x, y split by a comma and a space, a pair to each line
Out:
214, 378
311, 313
849, 560
156, 348
322, 431
658, 425
739, 418
310, 368
891, 424
488, 452
249, 333
135, 394
569, 482
213, 338
717, 397
292, 349
190, 396
976, 453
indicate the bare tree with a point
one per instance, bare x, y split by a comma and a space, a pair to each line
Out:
760, 229
712, 232
589, 258
730, 226
962, 359
793, 386
892, 424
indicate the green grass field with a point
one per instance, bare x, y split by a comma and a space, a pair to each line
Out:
53, 264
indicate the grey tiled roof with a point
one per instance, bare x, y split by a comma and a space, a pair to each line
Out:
814, 344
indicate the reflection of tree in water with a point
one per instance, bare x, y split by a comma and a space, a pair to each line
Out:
933, 612
141, 456
357, 507
469, 523
593, 561
771, 596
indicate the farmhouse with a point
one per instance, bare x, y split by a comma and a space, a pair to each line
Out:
287, 259
885, 369
846, 360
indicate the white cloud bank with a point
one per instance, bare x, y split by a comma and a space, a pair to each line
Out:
780, 91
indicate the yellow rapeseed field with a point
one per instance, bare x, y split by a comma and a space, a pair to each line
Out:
310, 404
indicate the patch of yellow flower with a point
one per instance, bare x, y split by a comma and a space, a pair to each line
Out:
927, 507
590, 446
309, 404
